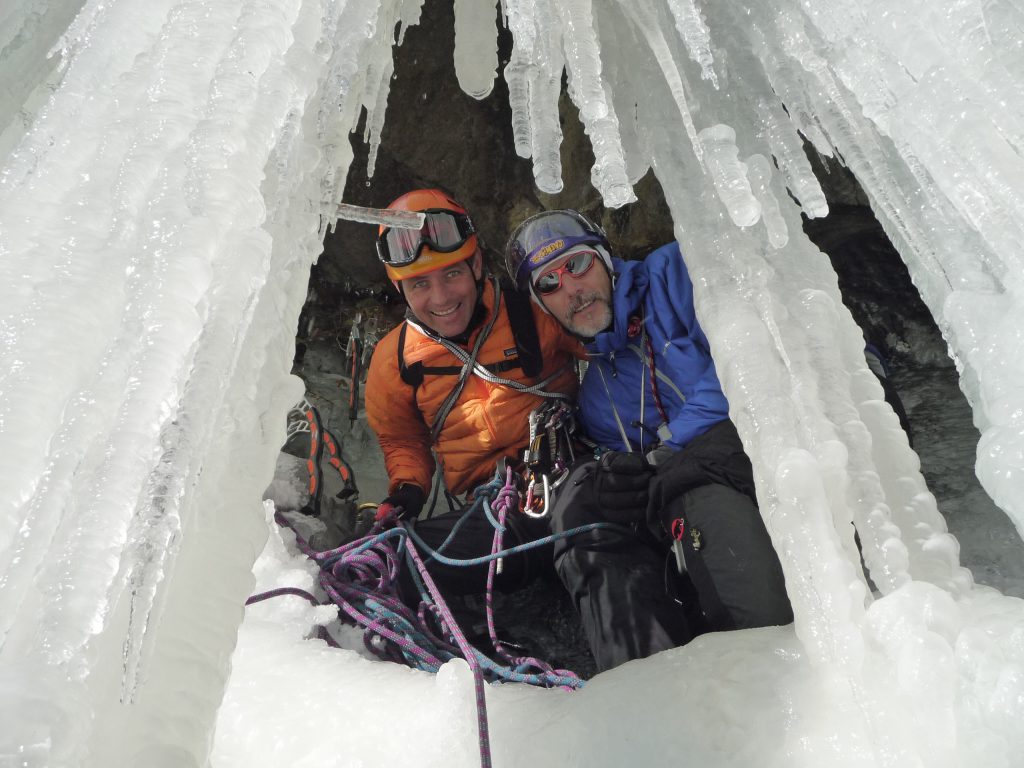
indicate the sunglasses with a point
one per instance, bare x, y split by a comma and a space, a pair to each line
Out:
442, 231
577, 265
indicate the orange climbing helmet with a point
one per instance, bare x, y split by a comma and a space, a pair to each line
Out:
446, 237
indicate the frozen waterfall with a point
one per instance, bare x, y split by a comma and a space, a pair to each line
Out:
164, 165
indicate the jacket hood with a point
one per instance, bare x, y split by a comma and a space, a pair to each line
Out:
630, 285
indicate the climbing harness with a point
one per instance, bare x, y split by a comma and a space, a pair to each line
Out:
528, 357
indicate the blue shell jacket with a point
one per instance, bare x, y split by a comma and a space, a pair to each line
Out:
618, 380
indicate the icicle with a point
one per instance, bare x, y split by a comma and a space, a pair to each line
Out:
787, 84
476, 46
375, 117
789, 154
408, 16
691, 27
545, 88
356, 43
643, 15
729, 175
759, 173
520, 71
588, 92
384, 216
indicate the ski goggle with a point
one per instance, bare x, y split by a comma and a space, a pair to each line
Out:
442, 231
545, 237
576, 265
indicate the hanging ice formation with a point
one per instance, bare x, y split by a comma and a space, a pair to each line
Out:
155, 234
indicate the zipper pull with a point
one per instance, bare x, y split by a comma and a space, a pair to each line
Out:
678, 531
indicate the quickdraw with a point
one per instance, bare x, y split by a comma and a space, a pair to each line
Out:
549, 455
358, 350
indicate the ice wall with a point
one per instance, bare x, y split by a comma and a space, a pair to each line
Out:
28, 31
159, 216
158, 220
924, 105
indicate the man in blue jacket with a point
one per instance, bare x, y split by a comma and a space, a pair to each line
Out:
688, 551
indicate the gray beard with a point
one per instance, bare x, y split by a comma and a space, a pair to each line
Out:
587, 332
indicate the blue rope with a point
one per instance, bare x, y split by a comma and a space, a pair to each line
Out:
368, 602
516, 549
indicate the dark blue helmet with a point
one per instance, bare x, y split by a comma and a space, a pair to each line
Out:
546, 236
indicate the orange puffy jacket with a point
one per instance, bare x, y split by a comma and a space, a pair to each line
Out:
488, 420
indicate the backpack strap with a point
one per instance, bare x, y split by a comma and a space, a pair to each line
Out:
524, 330
411, 374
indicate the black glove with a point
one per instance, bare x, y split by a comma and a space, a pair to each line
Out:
621, 483
660, 455
406, 503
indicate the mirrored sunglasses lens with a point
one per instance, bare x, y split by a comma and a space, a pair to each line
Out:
580, 263
548, 283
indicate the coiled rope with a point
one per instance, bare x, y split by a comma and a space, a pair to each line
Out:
361, 578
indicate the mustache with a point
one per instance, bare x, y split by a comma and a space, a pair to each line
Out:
583, 299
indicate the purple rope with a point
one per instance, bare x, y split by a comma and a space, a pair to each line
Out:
467, 652
506, 500
365, 572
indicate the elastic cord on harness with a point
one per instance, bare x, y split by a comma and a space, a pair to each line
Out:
322, 440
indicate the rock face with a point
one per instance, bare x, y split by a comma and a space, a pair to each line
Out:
436, 135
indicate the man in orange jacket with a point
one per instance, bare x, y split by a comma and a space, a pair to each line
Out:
458, 380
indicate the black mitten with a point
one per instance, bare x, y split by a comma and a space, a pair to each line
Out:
621, 483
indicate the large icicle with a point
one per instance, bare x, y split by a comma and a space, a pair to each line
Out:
695, 34
168, 213
644, 16
518, 72
588, 93
545, 87
476, 46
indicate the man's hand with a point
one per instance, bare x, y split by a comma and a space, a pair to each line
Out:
403, 504
621, 483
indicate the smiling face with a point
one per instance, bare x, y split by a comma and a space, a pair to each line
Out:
444, 299
582, 303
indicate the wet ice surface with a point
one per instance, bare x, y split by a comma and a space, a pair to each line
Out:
945, 439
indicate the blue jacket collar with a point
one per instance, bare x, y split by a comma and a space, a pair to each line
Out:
630, 287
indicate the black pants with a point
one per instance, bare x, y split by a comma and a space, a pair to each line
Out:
474, 539
623, 585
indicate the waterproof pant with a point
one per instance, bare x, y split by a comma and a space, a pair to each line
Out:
616, 580
474, 539
630, 598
